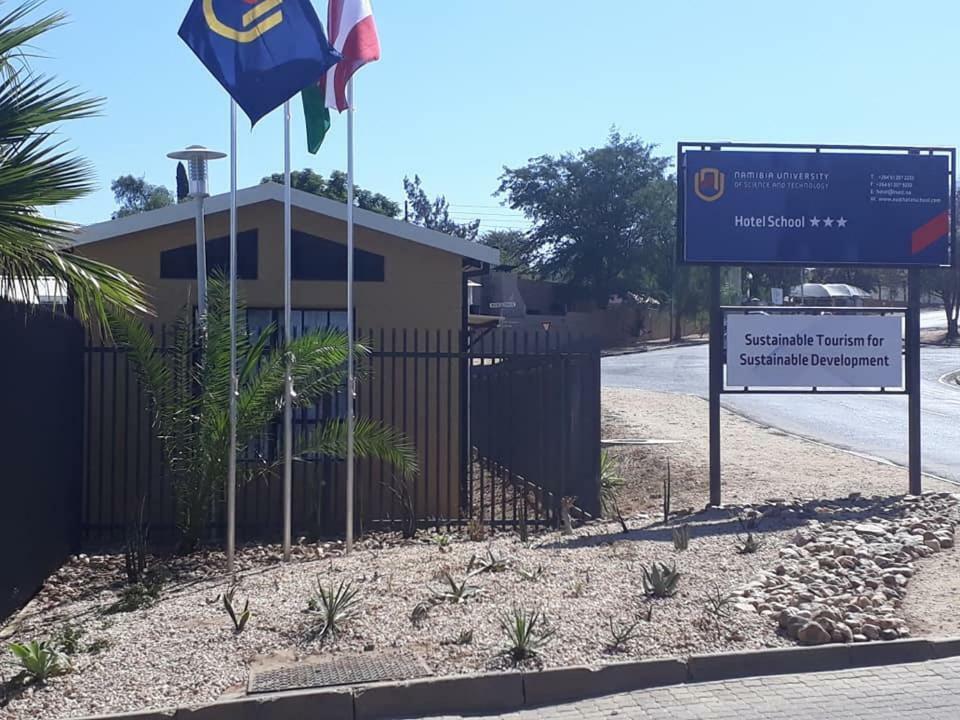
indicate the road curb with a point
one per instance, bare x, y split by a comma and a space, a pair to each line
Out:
511, 692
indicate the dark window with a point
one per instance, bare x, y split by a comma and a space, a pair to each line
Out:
315, 258
181, 263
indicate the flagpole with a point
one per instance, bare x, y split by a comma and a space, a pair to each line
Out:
351, 386
287, 336
232, 462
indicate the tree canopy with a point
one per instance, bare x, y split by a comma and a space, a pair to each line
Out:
603, 218
335, 188
435, 214
135, 195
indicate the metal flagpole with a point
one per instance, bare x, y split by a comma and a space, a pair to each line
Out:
351, 388
287, 336
232, 462
201, 263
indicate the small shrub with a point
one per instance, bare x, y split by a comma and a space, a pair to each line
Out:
527, 633
140, 596
336, 606
419, 614
610, 484
455, 591
567, 504
716, 610
581, 586
681, 538
443, 543
464, 638
748, 546
531, 575
660, 581
476, 530
491, 563
40, 661
667, 489
621, 634
135, 547
97, 646
240, 619
68, 639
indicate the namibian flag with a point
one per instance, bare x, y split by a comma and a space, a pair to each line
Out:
353, 34
263, 52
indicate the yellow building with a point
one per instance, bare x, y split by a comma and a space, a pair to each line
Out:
411, 304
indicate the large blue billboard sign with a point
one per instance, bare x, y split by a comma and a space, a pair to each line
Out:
808, 208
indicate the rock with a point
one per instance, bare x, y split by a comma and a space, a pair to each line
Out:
813, 634
843, 632
871, 631
933, 544
889, 634
871, 529
858, 638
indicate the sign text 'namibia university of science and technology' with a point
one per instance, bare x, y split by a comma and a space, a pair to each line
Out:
807, 351
807, 208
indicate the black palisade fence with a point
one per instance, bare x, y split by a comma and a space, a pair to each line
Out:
505, 424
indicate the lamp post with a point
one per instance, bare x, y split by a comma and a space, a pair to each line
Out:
197, 158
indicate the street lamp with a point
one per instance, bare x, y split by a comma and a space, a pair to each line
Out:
197, 158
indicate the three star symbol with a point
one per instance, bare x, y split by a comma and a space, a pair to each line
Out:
828, 222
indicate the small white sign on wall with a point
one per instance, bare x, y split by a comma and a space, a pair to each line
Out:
807, 351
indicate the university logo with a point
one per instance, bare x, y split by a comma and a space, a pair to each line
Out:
255, 18
709, 184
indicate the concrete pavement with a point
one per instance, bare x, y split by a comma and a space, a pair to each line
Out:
927, 691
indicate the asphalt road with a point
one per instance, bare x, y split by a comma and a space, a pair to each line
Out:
875, 426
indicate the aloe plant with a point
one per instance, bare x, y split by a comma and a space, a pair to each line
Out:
40, 660
527, 633
660, 581
336, 606
455, 591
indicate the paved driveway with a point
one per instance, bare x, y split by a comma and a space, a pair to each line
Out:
876, 426
921, 691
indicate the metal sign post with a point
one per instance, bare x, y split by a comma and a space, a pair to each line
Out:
716, 384
743, 204
913, 382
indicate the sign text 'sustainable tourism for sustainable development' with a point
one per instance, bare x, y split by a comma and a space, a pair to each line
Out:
807, 351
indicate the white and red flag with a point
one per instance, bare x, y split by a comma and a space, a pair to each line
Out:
352, 30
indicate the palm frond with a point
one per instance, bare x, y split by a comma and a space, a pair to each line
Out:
371, 440
37, 172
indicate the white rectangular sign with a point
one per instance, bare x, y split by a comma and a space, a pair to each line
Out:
822, 351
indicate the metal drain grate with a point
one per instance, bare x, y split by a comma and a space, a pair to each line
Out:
367, 668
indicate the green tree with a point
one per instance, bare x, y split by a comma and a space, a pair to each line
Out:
335, 188
944, 283
135, 195
36, 172
188, 387
603, 218
509, 243
183, 183
435, 214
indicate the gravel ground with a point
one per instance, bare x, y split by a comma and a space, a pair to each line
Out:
758, 463
183, 650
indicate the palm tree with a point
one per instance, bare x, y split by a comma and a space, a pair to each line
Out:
38, 172
188, 384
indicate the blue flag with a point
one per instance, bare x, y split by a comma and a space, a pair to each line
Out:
263, 52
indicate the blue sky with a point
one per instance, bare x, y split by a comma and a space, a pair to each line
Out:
466, 87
